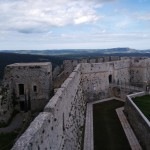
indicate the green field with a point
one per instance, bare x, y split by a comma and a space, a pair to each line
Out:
144, 104
108, 132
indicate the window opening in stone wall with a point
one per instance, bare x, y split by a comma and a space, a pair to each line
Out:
63, 123
35, 88
110, 78
21, 89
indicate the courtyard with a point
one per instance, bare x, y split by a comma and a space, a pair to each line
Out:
143, 104
108, 132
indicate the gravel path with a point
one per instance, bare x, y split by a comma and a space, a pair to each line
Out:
15, 124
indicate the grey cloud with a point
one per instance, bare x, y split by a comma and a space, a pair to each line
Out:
102, 1
32, 30
26, 15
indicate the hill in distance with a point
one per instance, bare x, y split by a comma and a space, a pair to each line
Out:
76, 51
58, 56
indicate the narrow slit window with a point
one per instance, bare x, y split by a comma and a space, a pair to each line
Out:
35, 88
110, 78
21, 89
63, 123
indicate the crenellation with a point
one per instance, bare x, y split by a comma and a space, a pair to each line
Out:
106, 58
114, 58
83, 60
92, 60
96, 67
101, 59
69, 65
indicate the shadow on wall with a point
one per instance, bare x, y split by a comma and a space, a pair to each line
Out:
116, 91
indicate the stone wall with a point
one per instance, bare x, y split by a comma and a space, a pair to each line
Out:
138, 121
6, 105
95, 78
36, 82
60, 126
121, 71
56, 72
140, 70
69, 65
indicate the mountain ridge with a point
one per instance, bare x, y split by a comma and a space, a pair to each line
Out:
76, 51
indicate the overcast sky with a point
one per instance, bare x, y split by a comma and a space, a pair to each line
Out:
74, 24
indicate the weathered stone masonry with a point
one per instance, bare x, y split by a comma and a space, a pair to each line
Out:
60, 126
69, 65
30, 83
95, 78
138, 121
26, 86
140, 70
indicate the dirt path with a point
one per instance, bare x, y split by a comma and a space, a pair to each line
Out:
15, 124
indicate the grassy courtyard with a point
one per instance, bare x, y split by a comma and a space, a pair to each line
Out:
144, 104
108, 132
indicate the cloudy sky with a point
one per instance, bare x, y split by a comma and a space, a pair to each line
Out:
74, 24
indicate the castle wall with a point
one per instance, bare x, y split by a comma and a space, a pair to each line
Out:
121, 78
61, 124
140, 71
69, 65
56, 72
121, 71
148, 71
6, 105
138, 121
101, 59
30, 75
95, 78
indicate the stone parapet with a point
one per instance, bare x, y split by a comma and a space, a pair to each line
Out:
138, 121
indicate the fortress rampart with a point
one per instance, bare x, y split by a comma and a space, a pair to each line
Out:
140, 70
97, 77
69, 65
61, 124
139, 122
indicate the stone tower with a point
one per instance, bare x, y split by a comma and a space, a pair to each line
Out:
30, 84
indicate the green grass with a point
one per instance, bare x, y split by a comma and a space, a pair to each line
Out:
143, 104
7, 140
108, 132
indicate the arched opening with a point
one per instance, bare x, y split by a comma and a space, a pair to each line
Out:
110, 78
